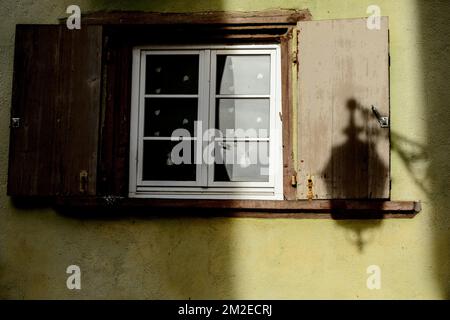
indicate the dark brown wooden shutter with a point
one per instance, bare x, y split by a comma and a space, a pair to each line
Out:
115, 123
56, 99
343, 71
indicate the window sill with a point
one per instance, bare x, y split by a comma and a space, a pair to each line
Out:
315, 209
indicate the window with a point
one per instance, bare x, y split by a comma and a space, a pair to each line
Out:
93, 124
205, 122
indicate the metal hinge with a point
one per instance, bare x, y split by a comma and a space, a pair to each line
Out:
83, 181
15, 122
294, 180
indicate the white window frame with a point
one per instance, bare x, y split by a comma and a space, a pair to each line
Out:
204, 187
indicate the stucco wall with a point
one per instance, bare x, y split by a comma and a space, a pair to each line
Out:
135, 257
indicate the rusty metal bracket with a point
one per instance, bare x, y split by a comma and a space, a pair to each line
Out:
310, 184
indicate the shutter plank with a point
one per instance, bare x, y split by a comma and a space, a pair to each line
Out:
315, 110
343, 71
115, 124
56, 94
33, 158
81, 52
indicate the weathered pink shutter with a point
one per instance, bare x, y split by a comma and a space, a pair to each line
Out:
343, 72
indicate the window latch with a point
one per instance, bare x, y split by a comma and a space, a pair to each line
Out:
383, 121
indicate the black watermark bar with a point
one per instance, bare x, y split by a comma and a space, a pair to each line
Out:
223, 309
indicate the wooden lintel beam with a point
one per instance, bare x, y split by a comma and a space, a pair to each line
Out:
210, 17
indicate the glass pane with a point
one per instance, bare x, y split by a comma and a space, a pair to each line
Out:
240, 74
243, 117
241, 161
171, 74
163, 116
163, 161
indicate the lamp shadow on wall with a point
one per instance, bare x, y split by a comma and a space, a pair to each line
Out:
353, 165
433, 48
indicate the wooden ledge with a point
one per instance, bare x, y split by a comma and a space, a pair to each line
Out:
335, 209
210, 17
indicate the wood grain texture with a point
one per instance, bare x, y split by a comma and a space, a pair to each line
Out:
33, 158
56, 94
289, 190
343, 71
212, 17
115, 122
346, 209
81, 52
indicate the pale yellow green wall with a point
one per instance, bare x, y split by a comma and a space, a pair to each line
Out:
135, 257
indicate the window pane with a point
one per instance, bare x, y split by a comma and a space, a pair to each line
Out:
172, 74
163, 116
247, 117
160, 162
240, 74
241, 161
